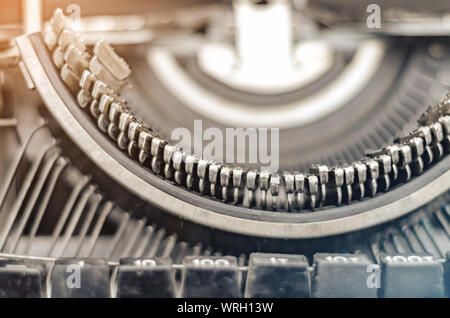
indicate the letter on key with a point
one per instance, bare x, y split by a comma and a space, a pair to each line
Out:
145, 278
210, 276
411, 276
80, 278
277, 275
342, 276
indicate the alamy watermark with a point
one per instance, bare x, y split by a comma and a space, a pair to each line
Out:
74, 278
74, 15
373, 21
236, 146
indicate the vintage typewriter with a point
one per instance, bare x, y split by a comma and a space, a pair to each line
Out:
98, 198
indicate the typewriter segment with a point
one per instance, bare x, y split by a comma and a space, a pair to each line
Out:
224, 149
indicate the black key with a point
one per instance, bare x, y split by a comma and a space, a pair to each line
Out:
145, 278
80, 278
277, 275
411, 276
447, 275
20, 280
211, 277
344, 276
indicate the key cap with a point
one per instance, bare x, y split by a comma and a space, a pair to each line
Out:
145, 278
19, 280
211, 276
342, 276
447, 275
411, 276
80, 278
277, 275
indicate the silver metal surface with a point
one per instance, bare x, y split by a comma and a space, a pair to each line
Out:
208, 218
